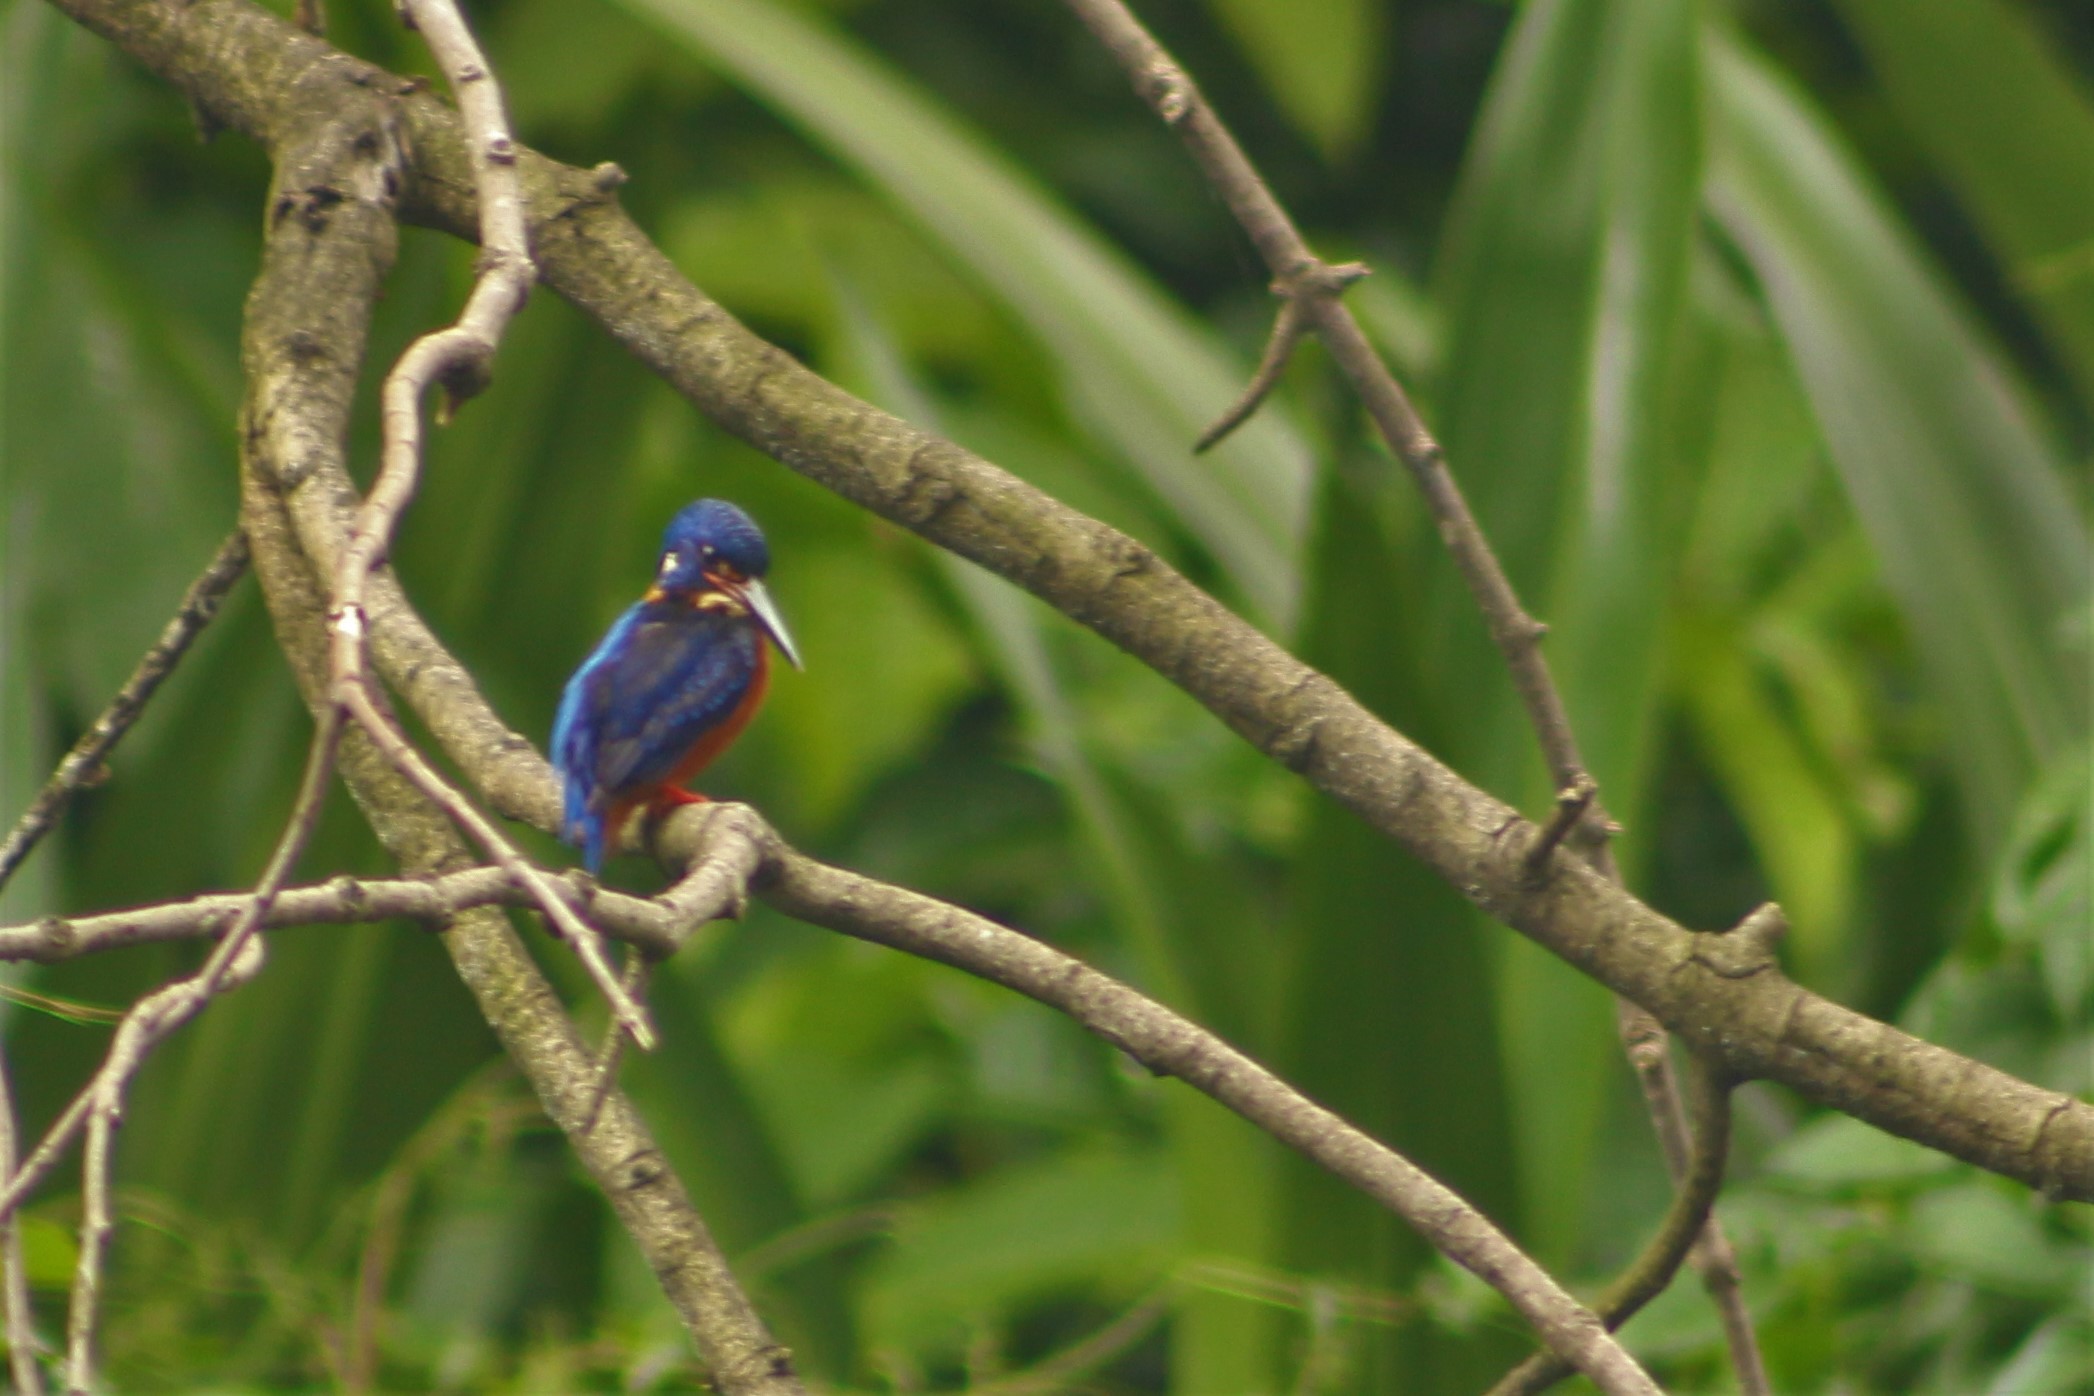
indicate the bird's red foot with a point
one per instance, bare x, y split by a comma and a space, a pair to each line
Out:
672, 796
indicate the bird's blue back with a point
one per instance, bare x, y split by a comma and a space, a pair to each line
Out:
664, 675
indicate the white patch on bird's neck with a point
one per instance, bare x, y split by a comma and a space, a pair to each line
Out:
718, 601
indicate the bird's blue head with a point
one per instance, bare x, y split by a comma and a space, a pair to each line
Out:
707, 541
712, 549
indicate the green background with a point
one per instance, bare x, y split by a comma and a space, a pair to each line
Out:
1761, 334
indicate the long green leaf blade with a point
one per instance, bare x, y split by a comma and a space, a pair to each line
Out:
1976, 84
1957, 488
1321, 59
1135, 368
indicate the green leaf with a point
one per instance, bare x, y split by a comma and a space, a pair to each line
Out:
1136, 370
50, 1251
1013, 626
970, 1255
1987, 94
1378, 983
702, 1103
470, 1267
1798, 827
1322, 59
2043, 889
868, 620
1960, 493
1838, 1152
844, 1110
567, 64
1978, 1233
2057, 1356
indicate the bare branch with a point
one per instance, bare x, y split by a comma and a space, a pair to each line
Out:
97, 1220
253, 72
237, 959
307, 318
1168, 88
1571, 804
14, 1275
1516, 634
99, 1106
458, 358
1685, 1221
656, 926
83, 765
1172, 1046
356, 698
736, 848
1316, 279
1287, 329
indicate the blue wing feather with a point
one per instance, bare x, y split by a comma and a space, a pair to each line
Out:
661, 678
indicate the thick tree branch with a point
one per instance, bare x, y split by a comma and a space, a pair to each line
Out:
249, 70
459, 357
330, 239
730, 847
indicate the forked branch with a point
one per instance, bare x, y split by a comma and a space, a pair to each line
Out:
1517, 635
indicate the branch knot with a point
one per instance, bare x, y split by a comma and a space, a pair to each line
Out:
1747, 948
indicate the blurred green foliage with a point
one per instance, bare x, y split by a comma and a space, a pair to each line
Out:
1761, 333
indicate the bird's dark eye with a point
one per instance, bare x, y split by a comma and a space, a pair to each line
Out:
708, 552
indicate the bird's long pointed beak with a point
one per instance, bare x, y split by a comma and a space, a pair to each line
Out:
758, 600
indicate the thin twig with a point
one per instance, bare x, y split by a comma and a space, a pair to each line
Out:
587, 944
1685, 1221
612, 1054
82, 766
1517, 635
167, 1009
237, 958
657, 926
45, 1156
1287, 329
457, 358
1571, 804
97, 1220
14, 1275
1288, 326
